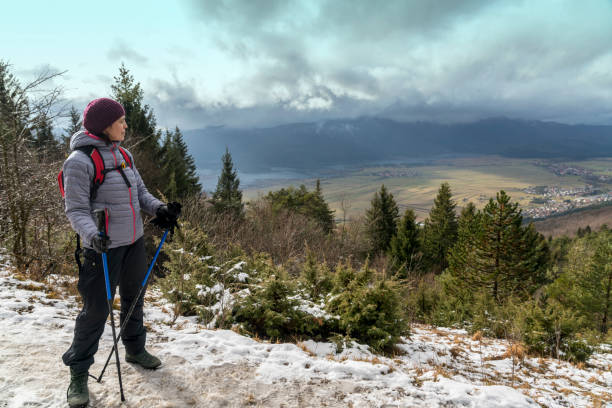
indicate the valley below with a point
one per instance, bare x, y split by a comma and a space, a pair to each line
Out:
543, 188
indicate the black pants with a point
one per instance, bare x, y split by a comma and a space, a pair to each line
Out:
126, 267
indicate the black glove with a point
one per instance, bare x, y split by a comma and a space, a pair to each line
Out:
100, 243
167, 215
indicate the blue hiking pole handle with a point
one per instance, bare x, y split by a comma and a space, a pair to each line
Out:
106, 278
159, 247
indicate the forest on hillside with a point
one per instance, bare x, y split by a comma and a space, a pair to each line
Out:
366, 279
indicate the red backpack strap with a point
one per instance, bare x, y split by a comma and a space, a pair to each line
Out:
96, 157
98, 163
126, 156
60, 181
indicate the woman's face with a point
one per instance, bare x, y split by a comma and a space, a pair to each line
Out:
116, 131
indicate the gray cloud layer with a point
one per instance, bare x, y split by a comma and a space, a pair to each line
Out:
440, 60
121, 51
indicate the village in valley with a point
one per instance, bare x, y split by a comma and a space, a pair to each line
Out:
555, 200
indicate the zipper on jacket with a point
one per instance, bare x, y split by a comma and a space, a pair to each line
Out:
106, 218
133, 214
130, 195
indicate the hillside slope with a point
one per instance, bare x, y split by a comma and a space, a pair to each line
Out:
219, 368
568, 224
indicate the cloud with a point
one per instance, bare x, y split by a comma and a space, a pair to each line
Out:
176, 102
121, 51
436, 59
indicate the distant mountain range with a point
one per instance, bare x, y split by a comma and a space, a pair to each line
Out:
310, 146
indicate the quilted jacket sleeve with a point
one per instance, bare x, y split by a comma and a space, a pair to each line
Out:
77, 176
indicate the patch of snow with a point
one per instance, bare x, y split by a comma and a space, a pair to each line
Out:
242, 277
214, 368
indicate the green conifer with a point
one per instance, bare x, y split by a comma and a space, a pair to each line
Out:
73, 127
227, 198
494, 251
381, 220
312, 204
404, 246
142, 136
179, 167
598, 282
440, 230
44, 141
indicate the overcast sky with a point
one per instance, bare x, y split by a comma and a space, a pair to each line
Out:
260, 63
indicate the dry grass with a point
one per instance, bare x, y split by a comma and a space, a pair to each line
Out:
440, 333
516, 351
456, 351
53, 295
31, 286
284, 235
250, 399
305, 349
524, 386
441, 371
458, 340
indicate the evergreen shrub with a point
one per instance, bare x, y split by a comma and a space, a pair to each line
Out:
445, 302
272, 310
550, 329
369, 311
187, 270
316, 278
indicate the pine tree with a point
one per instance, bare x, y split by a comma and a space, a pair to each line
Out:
494, 251
440, 230
189, 180
381, 220
598, 282
227, 198
404, 246
74, 126
321, 209
460, 256
308, 203
44, 141
179, 167
585, 285
142, 137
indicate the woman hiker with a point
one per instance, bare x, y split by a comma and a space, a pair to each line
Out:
122, 195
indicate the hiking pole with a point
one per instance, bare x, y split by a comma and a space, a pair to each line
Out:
133, 305
101, 221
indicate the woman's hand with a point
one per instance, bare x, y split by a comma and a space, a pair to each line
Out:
100, 243
167, 215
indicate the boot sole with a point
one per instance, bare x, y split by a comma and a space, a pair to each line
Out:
79, 405
129, 360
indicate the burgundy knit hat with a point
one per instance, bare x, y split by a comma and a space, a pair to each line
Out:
100, 114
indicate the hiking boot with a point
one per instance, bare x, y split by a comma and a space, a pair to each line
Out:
144, 359
78, 394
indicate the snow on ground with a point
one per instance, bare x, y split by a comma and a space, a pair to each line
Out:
220, 368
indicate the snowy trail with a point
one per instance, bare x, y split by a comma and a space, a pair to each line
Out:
219, 368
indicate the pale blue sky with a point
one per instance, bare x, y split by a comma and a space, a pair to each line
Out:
243, 63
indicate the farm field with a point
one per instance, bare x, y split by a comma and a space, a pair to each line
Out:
471, 179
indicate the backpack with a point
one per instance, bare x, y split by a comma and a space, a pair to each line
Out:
99, 176
99, 170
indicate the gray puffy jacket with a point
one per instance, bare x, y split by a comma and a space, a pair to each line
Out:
123, 204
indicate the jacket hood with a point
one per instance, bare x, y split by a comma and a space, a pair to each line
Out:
85, 138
